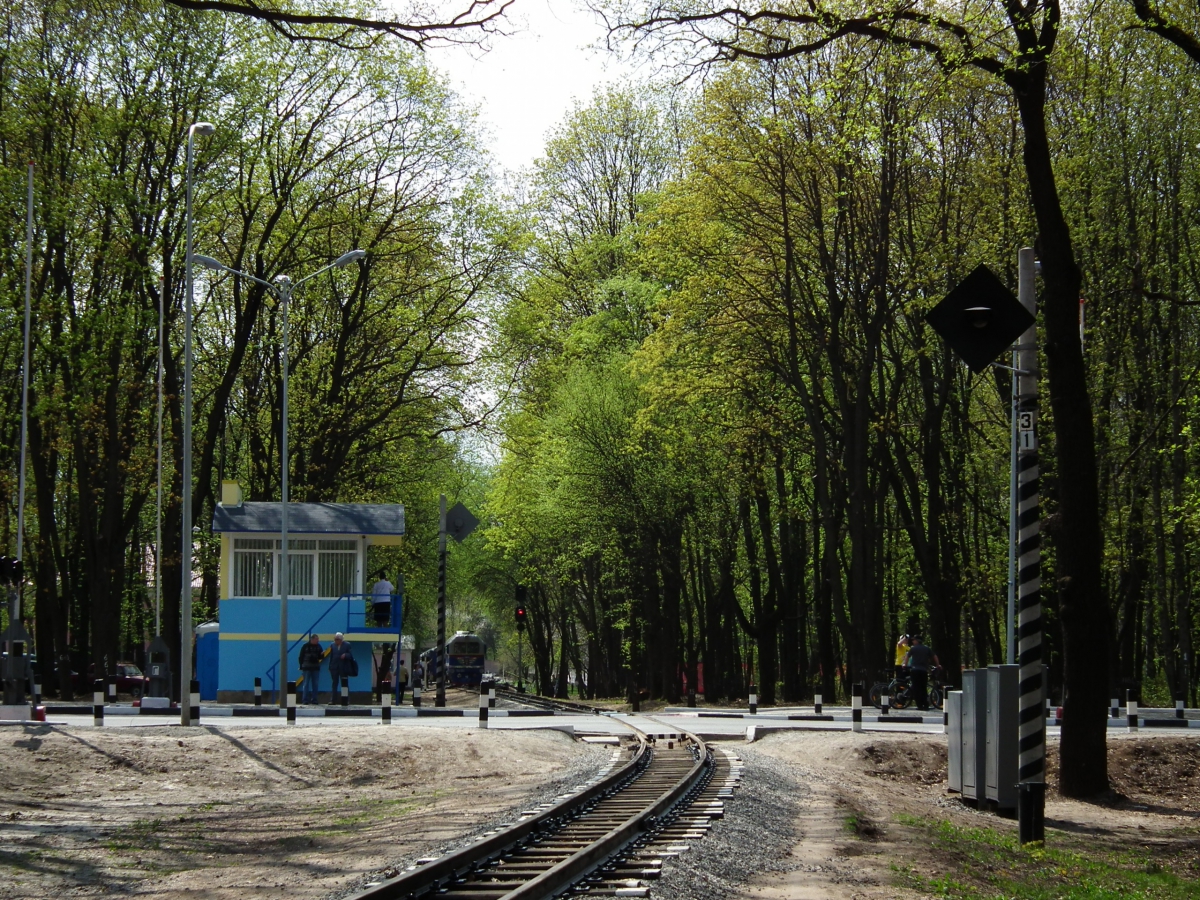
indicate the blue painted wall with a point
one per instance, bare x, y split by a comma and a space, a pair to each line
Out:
241, 660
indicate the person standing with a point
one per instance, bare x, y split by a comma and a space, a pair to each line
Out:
902, 646
311, 655
920, 660
401, 683
381, 600
341, 663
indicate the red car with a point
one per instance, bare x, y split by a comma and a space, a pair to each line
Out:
130, 680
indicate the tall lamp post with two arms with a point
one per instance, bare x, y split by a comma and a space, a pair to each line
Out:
283, 287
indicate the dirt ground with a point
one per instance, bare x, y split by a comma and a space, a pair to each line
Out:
861, 831
162, 812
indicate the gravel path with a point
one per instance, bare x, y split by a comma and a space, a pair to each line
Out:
756, 835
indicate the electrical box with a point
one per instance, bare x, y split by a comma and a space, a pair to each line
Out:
974, 735
1003, 735
954, 748
159, 669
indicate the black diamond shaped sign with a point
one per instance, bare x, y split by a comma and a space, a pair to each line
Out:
979, 318
460, 522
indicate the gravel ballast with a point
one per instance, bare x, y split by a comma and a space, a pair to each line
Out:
755, 836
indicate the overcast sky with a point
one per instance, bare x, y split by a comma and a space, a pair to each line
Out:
528, 80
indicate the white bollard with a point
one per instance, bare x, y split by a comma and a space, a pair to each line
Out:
98, 703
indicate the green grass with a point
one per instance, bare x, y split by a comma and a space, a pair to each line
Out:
989, 865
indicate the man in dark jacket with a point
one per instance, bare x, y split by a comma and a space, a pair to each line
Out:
341, 663
920, 660
310, 666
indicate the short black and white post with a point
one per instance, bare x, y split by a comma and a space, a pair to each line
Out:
112, 689
483, 709
753, 699
817, 704
385, 698
1180, 703
883, 703
1131, 710
1116, 707
345, 690
1031, 716
194, 698
258, 692
291, 702
98, 702
416, 698
492, 694
856, 707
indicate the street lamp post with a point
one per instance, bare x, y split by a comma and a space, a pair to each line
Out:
283, 289
185, 560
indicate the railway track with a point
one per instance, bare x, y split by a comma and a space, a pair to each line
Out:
609, 838
541, 702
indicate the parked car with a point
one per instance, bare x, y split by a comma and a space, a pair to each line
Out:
130, 680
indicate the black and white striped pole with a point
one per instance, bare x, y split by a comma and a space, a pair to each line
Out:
417, 697
1116, 707
1031, 716
385, 698
345, 690
753, 699
817, 704
492, 694
1179, 708
483, 708
98, 703
194, 698
883, 704
1131, 710
856, 707
290, 701
258, 692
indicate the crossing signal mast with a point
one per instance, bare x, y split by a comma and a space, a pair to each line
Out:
522, 620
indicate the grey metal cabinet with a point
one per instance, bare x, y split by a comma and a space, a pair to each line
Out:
974, 735
1002, 735
954, 753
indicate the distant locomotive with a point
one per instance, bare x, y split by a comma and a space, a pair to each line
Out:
464, 661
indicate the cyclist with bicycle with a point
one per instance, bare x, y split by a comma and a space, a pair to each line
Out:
920, 660
902, 646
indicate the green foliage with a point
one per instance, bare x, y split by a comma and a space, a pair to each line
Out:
986, 863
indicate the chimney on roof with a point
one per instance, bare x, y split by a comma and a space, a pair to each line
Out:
231, 493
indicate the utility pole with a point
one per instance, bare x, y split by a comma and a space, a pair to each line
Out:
440, 699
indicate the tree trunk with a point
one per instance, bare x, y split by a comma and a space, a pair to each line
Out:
1083, 607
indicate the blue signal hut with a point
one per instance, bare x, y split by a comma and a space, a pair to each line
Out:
327, 590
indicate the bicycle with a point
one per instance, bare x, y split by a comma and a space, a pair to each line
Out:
898, 690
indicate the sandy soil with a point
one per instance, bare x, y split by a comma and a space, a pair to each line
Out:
207, 813
864, 786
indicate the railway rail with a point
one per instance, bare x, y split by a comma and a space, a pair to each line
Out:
609, 838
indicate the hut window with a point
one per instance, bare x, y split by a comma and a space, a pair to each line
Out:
253, 571
300, 566
338, 568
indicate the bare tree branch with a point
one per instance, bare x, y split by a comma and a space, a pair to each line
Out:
1155, 22
733, 32
422, 27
